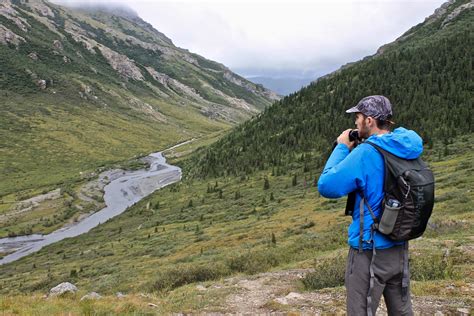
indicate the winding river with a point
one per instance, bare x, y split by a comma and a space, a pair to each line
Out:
126, 189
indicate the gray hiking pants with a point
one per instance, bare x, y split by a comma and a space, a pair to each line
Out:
388, 270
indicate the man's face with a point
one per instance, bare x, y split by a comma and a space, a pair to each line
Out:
362, 126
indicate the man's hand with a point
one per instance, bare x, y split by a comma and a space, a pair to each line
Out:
344, 139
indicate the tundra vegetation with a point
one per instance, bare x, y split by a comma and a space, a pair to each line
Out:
248, 203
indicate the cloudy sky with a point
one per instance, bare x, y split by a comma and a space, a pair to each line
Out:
263, 37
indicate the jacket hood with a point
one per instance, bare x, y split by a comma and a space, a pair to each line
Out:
403, 143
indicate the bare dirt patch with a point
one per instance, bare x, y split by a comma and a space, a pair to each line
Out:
30, 204
282, 293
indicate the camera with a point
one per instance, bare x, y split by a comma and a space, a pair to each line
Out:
354, 135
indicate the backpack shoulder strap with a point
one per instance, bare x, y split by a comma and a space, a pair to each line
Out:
390, 170
375, 220
397, 165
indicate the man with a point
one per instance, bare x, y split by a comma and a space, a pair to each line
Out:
376, 265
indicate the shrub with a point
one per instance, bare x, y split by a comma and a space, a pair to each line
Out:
307, 225
328, 273
435, 266
257, 261
184, 274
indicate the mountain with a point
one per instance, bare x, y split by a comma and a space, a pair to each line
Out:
84, 87
248, 204
426, 73
282, 85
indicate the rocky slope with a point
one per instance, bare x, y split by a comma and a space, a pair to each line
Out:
138, 54
83, 87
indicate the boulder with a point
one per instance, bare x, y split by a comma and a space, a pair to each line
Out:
41, 84
58, 45
464, 311
294, 296
33, 56
201, 287
91, 296
62, 289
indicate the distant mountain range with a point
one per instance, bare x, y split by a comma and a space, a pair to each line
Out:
282, 85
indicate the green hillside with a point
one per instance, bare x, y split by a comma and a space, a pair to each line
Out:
203, 231
249, 202
80, 89
427, 76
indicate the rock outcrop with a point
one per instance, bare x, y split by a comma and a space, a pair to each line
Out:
249, 86
33, 56
119, 39
63, 289
58, 45
121, 63
439, 12
10, 13
8, 37
456, 12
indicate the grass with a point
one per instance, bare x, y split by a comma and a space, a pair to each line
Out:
89, 117
65, 143
185, 299
70, 147
174, 242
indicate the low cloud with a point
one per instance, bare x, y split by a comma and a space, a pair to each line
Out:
305, 36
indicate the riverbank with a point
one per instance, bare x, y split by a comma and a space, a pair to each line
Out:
121, 190
44, 210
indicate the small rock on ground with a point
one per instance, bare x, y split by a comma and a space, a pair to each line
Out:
91, 296
62, 289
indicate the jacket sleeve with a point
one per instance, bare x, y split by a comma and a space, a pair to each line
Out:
343, 172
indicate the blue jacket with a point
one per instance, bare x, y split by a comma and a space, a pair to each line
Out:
363, 169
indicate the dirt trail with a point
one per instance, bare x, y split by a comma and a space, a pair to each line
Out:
281, 293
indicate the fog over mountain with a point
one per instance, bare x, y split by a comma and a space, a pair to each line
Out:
281, 38
283, 85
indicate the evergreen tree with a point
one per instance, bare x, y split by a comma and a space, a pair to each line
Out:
427, 76
266, 184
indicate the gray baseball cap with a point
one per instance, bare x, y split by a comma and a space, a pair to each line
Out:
376, 106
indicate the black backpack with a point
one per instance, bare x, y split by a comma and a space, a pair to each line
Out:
410, 182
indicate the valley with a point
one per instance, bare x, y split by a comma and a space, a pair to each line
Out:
245, 230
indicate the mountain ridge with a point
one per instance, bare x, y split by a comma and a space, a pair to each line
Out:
61, 64
444, 11
426, 76
249, 205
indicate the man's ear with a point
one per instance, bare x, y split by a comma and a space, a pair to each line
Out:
370, 121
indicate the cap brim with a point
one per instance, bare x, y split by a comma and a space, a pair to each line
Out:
353, 110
